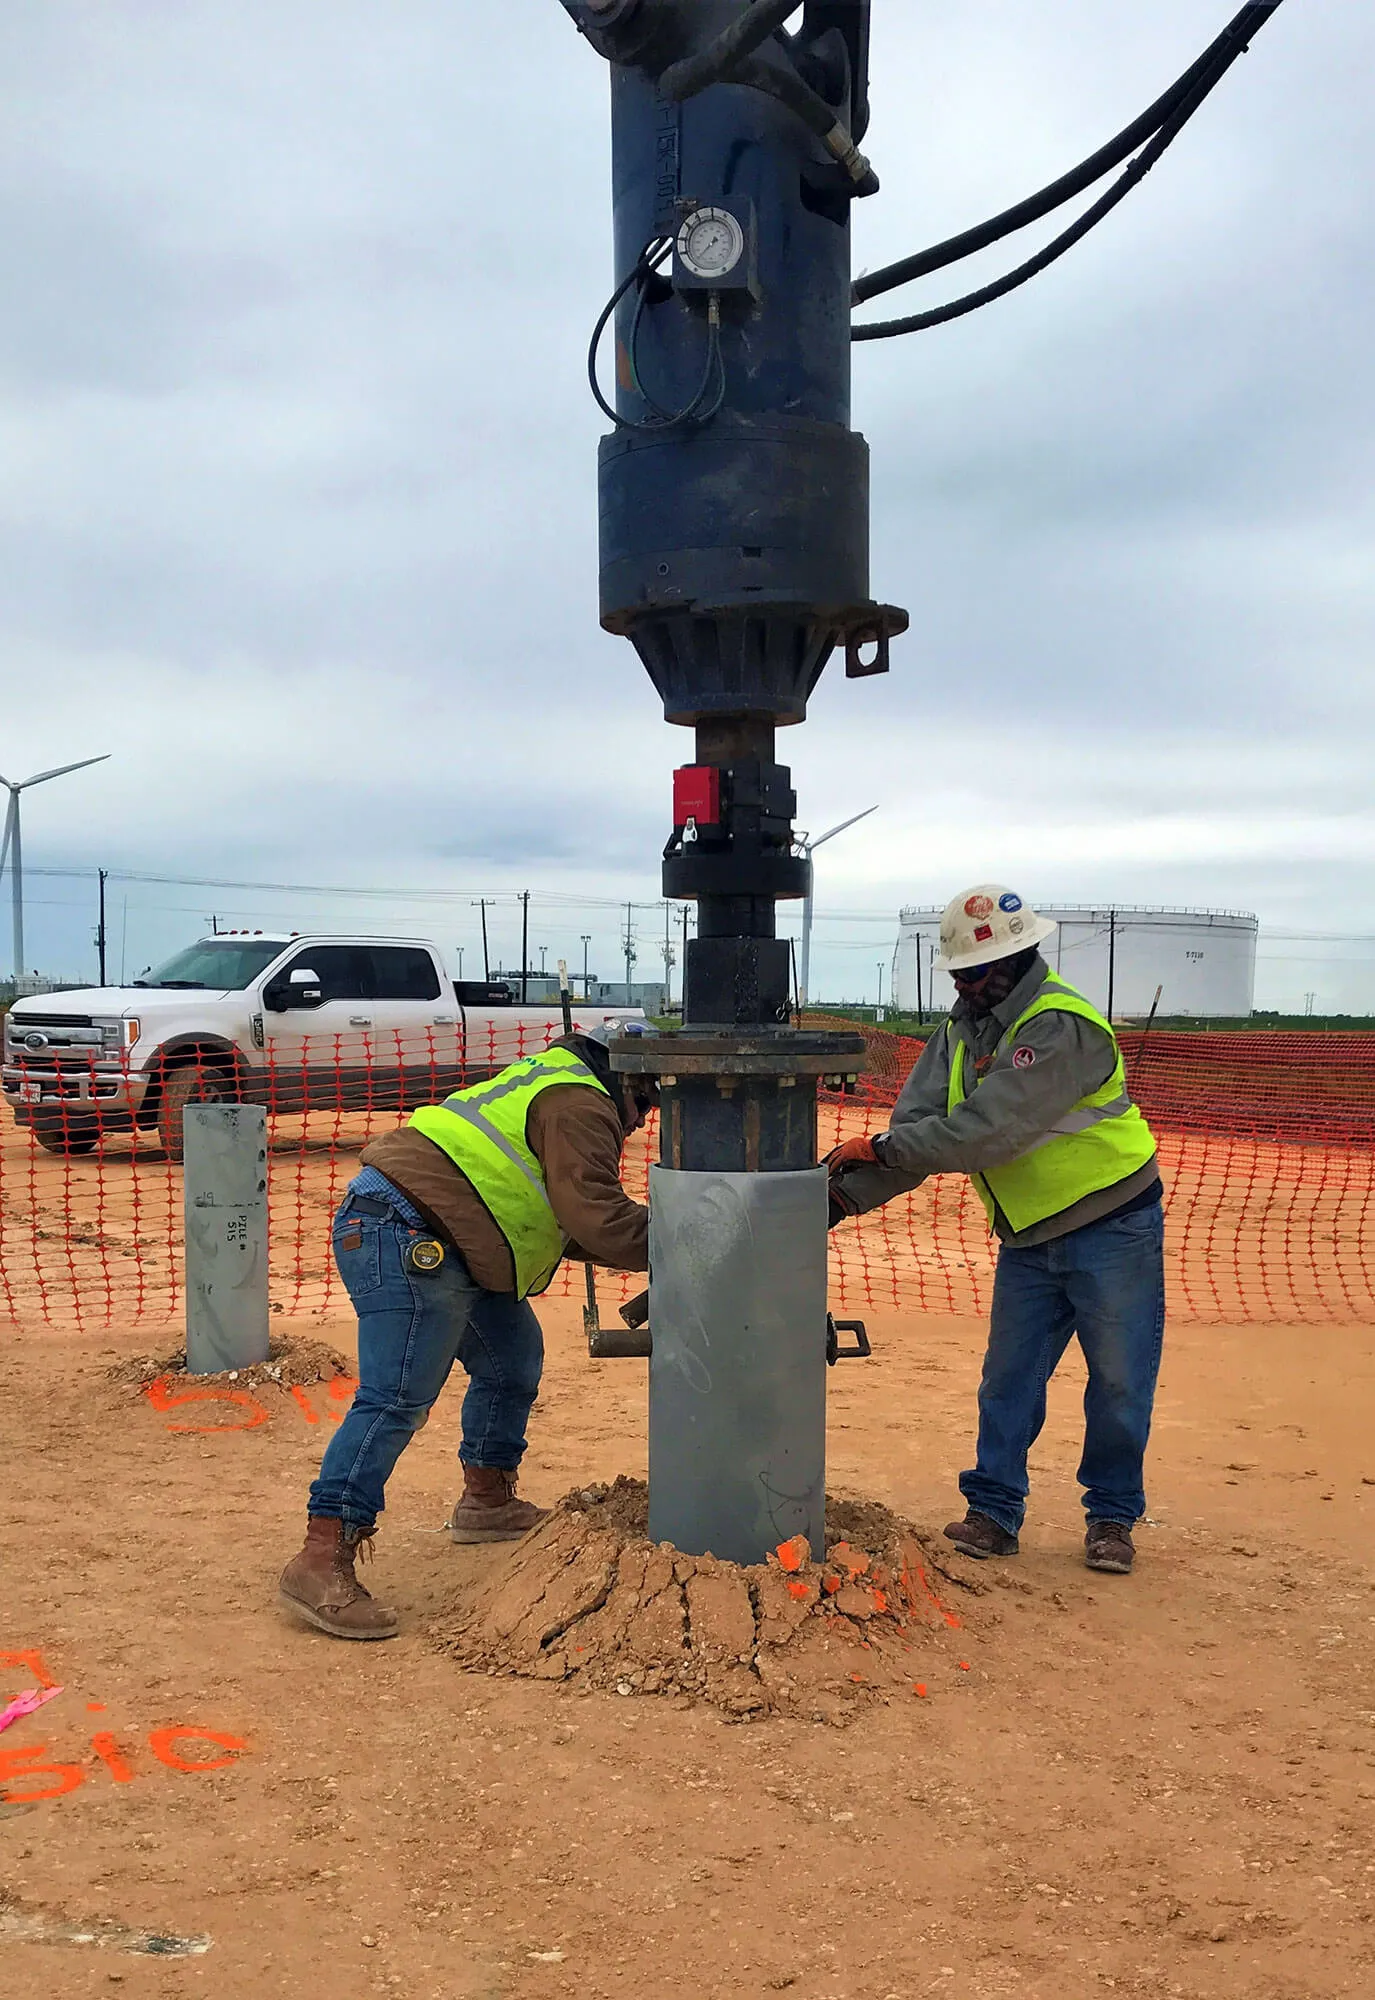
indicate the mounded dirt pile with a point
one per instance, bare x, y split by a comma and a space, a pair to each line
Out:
588, 1599
292, 1363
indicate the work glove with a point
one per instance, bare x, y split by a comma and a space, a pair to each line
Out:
842, 1206
854, 1153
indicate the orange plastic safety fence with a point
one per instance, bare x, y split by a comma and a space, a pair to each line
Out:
1267, 1145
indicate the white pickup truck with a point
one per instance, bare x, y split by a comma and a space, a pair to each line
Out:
300, 1023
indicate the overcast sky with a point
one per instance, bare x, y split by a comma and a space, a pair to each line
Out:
299, 492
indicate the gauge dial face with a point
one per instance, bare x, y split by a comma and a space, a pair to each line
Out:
711, 243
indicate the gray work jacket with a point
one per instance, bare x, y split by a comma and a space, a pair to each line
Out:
1011, 1110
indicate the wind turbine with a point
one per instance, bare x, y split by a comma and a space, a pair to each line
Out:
12, 840
808, 848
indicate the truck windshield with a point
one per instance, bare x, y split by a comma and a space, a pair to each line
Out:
227, 965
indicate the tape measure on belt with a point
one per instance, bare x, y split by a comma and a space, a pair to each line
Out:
425, 1254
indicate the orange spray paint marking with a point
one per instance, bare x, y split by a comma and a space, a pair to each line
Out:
160, 1395
24, 1764
799, 1591
95, 1708
342, 1390
108, 1751
919, 1687
302, 1400
793, 1553
163, 1742
964, 1666
32, 1663
948, 1615
880, 1600
830, 1584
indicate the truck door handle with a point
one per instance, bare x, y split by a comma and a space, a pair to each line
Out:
360, 1020
444, 1020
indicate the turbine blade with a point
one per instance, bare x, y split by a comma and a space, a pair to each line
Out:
41, 777
844, 824
10, 817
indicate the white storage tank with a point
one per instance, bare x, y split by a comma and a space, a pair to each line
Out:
1204, 961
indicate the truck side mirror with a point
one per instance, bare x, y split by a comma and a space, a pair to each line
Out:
302, 989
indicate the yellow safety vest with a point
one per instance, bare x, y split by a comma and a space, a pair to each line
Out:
482, 1129
1102, 1141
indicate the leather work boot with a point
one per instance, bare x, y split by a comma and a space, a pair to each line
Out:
320, 1584
1108, 1546
977, 1536
489, 1510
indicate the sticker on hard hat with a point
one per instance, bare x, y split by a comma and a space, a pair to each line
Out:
1023, 1058
979, 906
1016, 926
1008, 903
982, 933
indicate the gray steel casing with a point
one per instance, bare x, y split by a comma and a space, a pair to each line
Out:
225, 1192
737, 1378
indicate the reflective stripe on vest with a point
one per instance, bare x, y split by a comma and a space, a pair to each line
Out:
482, 1129
1102, 1140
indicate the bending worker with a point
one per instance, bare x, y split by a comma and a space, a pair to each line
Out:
1025, 1091
449, 1228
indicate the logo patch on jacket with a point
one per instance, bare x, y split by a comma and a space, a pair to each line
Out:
1023, 1058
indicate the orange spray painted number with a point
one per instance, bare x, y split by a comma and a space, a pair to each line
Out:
164, 1399
28, 1774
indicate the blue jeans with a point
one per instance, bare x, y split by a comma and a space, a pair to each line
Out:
1105, 1282
412, 1327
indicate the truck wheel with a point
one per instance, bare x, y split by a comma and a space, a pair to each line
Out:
67, 1143
180, 1088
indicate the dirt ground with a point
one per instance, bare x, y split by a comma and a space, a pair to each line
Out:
1161, 1785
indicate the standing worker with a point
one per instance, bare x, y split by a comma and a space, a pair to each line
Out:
1025, 1091
452, 1224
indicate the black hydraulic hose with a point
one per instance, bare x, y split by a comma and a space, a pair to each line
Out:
781, 80
697, 410
648, 261
1120, 189
744, 35
1229, 43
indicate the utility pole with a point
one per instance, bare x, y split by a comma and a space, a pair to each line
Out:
630, 952
670, 959
1112, 959
100, 927
586, 938
543, 954
524, 946
486, 961
808, 848
459, 949
880, 986
12, 845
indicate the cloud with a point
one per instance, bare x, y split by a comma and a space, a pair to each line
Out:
301, 517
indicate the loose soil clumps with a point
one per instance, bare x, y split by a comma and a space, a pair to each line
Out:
588, 1599
293, 1362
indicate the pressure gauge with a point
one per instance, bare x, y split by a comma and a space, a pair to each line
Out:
710, 244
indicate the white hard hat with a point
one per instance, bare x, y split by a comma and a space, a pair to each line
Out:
986, 923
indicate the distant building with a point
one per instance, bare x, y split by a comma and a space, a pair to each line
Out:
1203, 961
542, 990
